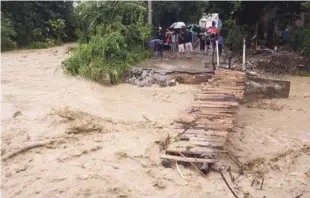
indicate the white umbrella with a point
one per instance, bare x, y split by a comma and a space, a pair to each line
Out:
177, 25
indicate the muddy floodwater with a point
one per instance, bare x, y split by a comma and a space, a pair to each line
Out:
105, 137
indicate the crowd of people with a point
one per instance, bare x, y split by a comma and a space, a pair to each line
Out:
183, 41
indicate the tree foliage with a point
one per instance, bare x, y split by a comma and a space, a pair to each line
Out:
112, 39
167, 12
32, 21
7, 34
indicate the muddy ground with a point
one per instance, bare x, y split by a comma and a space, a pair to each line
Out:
104, 138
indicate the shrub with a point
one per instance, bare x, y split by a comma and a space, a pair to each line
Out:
107, 54
7, 34
107, 45
300, 41
233, 34
41, 45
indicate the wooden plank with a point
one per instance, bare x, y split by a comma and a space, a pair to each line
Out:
221, 103
195, 150
208, 126
211, 115
213, 128
188, 147
219, 139
203, 138
188, 159
188, 144
202, 132
215, 106
225, 121
217, 110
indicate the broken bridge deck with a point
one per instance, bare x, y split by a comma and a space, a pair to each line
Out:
202, 131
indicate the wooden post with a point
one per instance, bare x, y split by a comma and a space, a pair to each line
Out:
217, 55
243, 58
150, 12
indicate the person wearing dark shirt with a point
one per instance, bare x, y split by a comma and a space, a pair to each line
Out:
220, 42
213, 44
159, 34
228, 56
202, 42
159, 46
285, 36
188, 41
181, 44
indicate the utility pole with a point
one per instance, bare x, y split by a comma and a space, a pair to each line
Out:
150, 12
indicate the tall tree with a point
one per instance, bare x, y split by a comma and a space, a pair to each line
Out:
167, 12
29, 16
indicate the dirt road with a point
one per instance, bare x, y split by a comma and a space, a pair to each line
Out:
105, 137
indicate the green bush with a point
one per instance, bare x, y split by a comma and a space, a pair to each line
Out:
90, 60
233, 35
107, 45
300, 41
7, 34
41, 45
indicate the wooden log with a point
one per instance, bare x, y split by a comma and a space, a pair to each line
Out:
187, 159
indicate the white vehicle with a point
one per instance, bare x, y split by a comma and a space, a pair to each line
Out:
207, 19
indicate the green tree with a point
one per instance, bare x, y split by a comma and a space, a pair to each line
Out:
112, 34
7, 34
57, 27
167, 12
30, 19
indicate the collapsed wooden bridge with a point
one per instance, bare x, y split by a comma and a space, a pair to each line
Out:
203, 131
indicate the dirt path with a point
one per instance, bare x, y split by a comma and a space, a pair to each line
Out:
105, 138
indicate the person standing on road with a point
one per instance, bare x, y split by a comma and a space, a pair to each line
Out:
159, 34
208, 42
188, 41
181, 43
202, 42
220, 42
173, 39
159, 46
213, 44
194, 34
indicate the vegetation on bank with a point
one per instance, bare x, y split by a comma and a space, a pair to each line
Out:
111, 39
36, 24
300, 41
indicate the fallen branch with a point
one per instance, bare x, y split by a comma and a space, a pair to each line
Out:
194, 166
26, 148
252, 182
231, 190
146, 118
230, 174
261, 186
298, 196
178, 169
